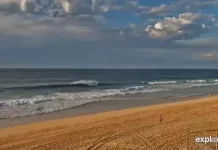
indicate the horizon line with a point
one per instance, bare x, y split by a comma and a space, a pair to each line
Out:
112, 68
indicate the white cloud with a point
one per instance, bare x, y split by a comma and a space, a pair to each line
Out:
187, 25
158, 10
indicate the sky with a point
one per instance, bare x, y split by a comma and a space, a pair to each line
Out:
109, 34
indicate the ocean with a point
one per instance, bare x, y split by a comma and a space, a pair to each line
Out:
26, 92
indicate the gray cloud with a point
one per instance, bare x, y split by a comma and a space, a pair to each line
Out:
77, 33
87, 29
101, 6
11, 6
201, 43
207, 56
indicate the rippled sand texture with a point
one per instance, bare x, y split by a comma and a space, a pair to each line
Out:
131, 129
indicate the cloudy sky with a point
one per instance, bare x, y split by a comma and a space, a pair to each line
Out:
109, 34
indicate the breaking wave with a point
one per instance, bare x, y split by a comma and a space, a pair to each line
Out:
80, 83
182, 81
163, 82
196, 81
79, 95
61, 101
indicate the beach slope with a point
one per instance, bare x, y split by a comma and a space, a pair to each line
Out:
166, 126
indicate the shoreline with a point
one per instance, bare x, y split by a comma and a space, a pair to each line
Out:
95, 108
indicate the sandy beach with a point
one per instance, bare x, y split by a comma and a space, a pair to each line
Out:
136, 128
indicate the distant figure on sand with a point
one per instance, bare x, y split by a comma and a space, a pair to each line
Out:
161, 118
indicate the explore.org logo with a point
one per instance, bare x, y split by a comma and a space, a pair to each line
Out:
206, 140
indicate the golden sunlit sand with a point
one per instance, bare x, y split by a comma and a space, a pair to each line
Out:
130, 129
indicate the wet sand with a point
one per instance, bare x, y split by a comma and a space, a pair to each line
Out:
133, 128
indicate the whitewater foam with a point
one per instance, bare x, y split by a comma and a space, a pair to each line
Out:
60, 101
180, 81
134, 88
163, 82
196, 81
17, 102
86, 82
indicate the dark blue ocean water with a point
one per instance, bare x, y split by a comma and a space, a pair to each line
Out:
32, 91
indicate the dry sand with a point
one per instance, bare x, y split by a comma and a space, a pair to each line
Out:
138, 128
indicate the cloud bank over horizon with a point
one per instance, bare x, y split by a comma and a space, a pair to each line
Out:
125, 28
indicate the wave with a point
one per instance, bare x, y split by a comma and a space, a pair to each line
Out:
61, 101
86, 82
163, 82
33, 100
182, 81
134, 88
95, 83
204, 84
78, 95
80, 83
196, 81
